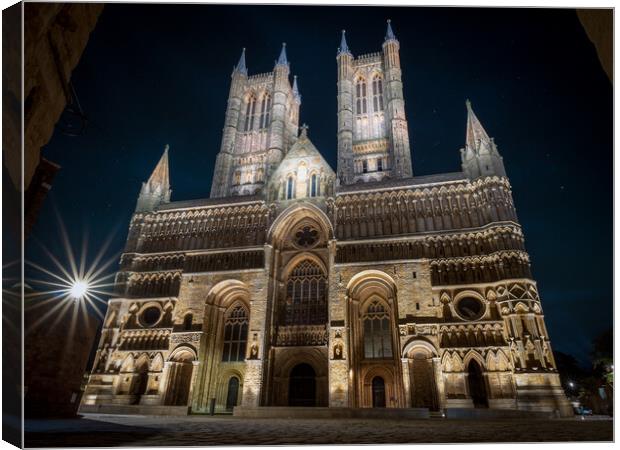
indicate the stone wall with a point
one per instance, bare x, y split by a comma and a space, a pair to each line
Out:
55, 359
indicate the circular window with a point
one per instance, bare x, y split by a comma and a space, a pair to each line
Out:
150, 316
306, 237
470, 308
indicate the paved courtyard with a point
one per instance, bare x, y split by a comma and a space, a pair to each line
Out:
109, 430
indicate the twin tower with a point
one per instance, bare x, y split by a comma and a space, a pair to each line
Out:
262, 121
262, 124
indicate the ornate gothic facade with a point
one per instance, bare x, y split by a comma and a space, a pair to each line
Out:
295, 285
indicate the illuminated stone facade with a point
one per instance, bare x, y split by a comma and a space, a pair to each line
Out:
295, 285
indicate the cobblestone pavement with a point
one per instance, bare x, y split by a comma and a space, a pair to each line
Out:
109, 430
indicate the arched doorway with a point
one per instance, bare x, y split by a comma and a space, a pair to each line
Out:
374, 342
180, 378
378, 392
140, 380
233, 393
423, 386
302, 386
140, 385
477, 385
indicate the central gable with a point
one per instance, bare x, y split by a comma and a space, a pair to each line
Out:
302, 173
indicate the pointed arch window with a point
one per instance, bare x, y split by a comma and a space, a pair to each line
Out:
290, 183
306, 296
250, 111
187, 322
377, 334
265, 111
377, 93
360, 96
235, 334
314, 185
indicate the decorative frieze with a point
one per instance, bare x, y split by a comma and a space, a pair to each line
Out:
296, 335
185, 338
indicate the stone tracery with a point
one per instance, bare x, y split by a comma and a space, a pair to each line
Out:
355, 285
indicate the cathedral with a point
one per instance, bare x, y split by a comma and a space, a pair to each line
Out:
297, 285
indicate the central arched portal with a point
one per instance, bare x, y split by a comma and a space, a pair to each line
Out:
297, 367
302, 386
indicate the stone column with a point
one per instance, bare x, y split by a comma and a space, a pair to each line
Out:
345, 118
407, 382
253, 383
263, 289
164, 382
396, 121
224, 161
193, 378
439, 383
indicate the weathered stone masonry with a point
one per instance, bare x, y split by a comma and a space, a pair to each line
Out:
295, 285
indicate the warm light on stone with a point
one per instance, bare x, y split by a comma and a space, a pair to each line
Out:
298, 285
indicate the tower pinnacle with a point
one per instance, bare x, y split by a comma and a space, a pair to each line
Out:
157, 189
241, 67
480, 156
344, 48
476, 134
304, 131
296, 89
389, 35
160, 176
282, 61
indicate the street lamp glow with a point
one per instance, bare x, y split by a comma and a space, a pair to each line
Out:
74, 286
79, 288
571, 384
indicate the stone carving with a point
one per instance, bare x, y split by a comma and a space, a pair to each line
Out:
184, 338
254, 352
338, 351
302, 335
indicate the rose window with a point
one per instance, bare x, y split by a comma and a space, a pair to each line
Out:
306, 237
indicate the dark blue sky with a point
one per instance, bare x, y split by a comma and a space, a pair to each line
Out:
159, 74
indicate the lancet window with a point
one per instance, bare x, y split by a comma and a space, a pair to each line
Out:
290, 183
306, 296
250, 112
265, 111
360, 95
377, 335
377, 93
235, 334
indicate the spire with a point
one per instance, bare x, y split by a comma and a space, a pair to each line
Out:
160, 176
241, 68
475, 134
296, 89
389, 35
282, 61
157, 189
480, 157
344, 48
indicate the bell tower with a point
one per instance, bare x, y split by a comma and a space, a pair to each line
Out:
260, 126
373, 135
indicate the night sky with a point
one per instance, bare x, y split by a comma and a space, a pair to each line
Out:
159, 74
